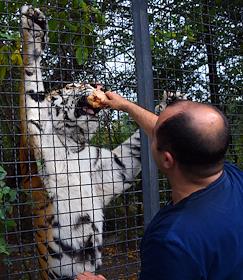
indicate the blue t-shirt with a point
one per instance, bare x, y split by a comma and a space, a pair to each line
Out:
201, 237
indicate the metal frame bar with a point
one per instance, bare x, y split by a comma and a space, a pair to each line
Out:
145, 99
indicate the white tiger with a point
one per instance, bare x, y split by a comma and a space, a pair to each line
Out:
80, 179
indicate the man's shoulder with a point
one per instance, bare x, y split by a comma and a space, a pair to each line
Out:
233, 172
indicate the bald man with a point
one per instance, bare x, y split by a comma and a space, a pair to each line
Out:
200, 234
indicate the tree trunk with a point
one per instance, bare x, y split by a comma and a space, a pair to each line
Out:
211, 54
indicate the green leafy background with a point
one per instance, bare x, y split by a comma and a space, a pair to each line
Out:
196, 49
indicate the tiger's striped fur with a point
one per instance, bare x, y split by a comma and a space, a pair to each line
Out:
75, 180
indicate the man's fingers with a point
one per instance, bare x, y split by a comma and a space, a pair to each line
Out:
109, 94
110, 99
113, 95
89, 276
115, 101
101, 277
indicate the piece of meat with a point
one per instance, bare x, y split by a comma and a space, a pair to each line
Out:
96, 99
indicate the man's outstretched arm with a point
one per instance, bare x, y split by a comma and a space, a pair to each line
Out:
145, 119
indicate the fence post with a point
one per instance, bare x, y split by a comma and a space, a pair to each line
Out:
146, 100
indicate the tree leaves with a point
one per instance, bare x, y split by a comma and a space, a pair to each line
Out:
9, 52
7, 197
73, 31
9, 56
3, 173
3, 247
81, 55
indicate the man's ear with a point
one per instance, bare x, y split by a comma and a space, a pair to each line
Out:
168, 160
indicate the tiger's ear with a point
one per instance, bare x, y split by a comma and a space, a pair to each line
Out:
167, 98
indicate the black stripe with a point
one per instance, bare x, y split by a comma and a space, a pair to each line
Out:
85, 219
37, 96
118, 161
53, 99
136, 148
133, 147
36, 124
56, 225
68, 250
53, 253
123, 177
29, 73
97, 156
51, 276
69, 125
95, 229
89, 250
57, 111
55, 274
135, 156
128, 182
66, 116
70, 120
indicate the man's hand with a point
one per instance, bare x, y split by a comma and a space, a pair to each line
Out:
89, 276
116, 101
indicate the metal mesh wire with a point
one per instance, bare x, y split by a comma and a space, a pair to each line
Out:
87, 42
196, 50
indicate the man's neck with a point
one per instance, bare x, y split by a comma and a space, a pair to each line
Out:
181, 187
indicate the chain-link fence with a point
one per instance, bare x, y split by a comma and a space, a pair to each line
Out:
71, 194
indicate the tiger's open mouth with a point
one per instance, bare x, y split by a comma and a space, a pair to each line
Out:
89, 110
84, 108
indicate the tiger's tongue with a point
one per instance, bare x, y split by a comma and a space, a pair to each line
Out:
88, 110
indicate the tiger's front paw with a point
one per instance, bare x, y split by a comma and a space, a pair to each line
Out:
34, 25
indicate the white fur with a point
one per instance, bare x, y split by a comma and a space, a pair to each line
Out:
80, 178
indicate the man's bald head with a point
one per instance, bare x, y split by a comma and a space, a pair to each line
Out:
196, 134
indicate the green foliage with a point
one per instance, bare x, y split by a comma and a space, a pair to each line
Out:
184, 49
9, 53
7, 197
113, 133
76, 24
